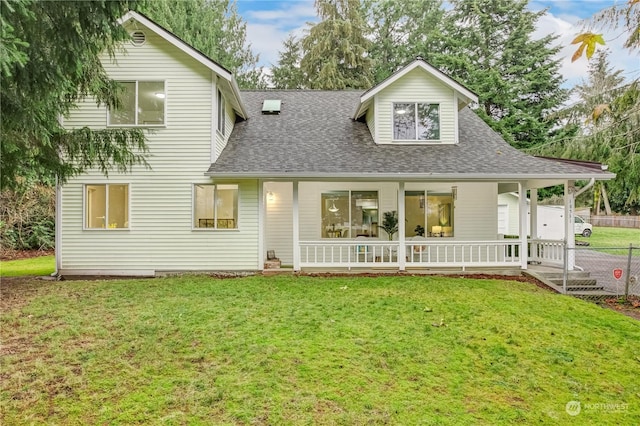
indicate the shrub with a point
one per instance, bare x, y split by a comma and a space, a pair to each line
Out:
27, 218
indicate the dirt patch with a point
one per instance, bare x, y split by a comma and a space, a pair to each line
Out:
630, 307
16, 292
23, 254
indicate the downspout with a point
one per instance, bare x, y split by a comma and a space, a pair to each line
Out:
584, 188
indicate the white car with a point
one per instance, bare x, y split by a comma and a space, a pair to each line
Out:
580, 227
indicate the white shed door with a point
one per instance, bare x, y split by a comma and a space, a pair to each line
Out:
503, 219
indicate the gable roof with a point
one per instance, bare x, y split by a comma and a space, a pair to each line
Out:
225, 75
315, 137
419, 63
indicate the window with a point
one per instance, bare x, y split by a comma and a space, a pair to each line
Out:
349, 214
107, 206
215, 206
428, 215
416, 121
221, 113
142, 103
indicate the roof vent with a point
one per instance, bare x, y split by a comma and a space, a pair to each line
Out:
271, 106
138, 38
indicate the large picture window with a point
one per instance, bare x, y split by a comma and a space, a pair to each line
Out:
142, 103
107, 206
428, 215
215, 206
349, 214
416, 121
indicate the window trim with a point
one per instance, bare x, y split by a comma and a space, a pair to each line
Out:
222, 114
416, 140
215, 209
85, 226
136, 124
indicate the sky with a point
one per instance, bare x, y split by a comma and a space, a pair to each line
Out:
269, 22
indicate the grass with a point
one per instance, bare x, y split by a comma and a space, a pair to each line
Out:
605, 238
42, 265
612, 237
309, 350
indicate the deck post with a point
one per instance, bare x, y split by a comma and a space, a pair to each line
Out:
261, 223
401, 228
296, 228
569, 209
522, 225
533, 213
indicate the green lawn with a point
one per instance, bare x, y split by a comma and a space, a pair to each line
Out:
43, 265
309, 350
612, 237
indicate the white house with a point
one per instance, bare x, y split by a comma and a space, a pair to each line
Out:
307, 174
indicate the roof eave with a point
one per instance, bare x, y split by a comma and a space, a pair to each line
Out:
476, 177
439, 75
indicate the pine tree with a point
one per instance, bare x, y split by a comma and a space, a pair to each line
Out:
287, 74
488, 46
400, 31
216, 29
608, 130
335, 50
50, 59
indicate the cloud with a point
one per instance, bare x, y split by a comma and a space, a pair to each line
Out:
267, 29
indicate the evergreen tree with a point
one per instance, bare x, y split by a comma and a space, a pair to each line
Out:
287, 74
608, 131
335, 50
214, 28
488, 46
401, 30
49, 61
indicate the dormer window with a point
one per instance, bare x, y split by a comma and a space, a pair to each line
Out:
416, 121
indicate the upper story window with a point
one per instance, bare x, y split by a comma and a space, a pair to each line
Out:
106, 206
142, 103
416, 121
221, 113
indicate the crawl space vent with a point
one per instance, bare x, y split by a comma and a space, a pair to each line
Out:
271, 106
138, 38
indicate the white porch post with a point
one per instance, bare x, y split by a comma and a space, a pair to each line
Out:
569, 236
296, 228
261, 221
522, 224
533, 213
401, 228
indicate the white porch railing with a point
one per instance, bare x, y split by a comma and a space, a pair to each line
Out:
463, 254
424, 253
348, 253
546, 251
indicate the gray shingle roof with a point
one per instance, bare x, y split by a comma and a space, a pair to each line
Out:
314, 136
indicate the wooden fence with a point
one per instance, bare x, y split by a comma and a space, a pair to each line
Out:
615, 221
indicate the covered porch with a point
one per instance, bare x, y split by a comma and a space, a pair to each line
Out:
443, 225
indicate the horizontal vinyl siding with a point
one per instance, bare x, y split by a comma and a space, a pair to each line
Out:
371, 120
416, 86
221, 140
476, 211
279, 220
160, 235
